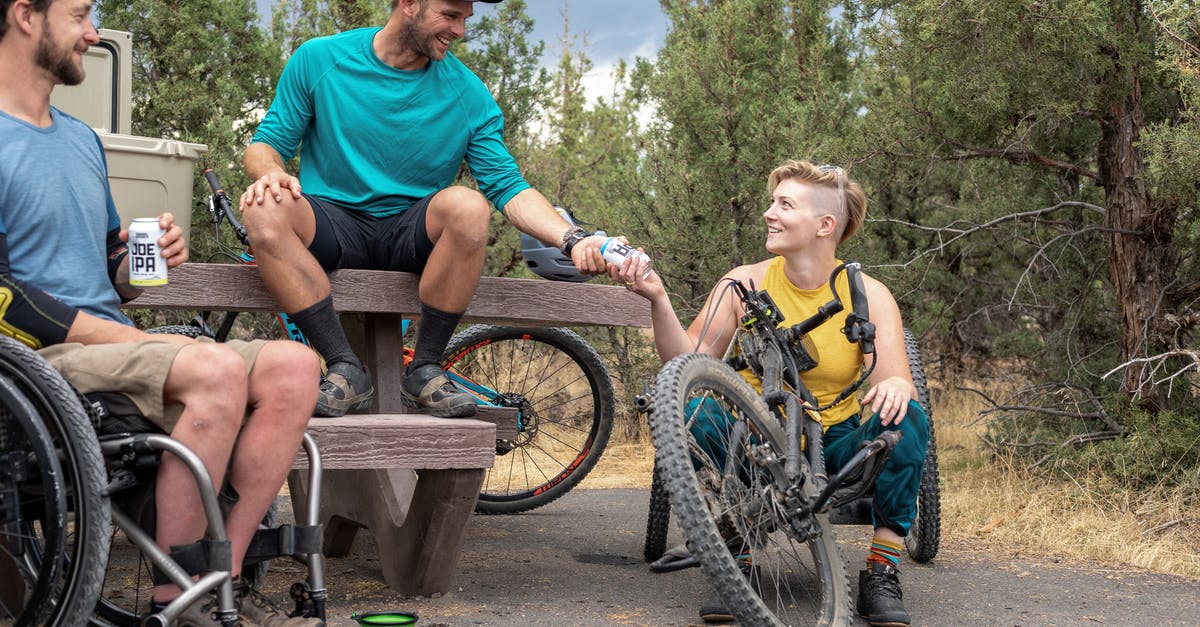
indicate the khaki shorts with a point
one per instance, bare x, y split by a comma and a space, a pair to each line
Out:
137, 370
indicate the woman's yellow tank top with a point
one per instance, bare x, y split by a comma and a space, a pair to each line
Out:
839, 363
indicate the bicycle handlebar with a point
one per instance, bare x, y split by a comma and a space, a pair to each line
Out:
762, 318
222, 208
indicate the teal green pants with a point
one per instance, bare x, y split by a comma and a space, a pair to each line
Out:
896, 488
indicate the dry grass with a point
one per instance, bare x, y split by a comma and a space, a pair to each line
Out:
1000, 504
1004, 504
626, 463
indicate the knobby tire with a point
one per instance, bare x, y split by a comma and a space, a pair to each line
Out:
565, 396
725, 513
658, 519
924, 537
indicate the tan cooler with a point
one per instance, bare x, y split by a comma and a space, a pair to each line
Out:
150, 176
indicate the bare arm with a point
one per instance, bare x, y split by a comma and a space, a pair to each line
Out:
711, 331
891, 381
531, 213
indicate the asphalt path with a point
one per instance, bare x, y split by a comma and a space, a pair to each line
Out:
578, 562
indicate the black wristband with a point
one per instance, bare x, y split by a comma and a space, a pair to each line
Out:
572, 237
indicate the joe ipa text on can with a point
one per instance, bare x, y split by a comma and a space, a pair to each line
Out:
146, 266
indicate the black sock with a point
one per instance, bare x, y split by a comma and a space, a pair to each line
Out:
433, 334
321, 326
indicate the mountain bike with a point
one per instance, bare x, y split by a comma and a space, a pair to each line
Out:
552, 376
745, 471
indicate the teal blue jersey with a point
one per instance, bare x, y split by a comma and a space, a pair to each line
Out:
376, 138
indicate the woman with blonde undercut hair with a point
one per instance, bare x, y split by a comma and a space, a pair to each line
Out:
813, 209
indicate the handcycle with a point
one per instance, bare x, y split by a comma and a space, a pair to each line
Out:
557, 382
923, 539
745, 472
77, 474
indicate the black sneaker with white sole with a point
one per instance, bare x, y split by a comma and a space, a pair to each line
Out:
880, 599
427, 388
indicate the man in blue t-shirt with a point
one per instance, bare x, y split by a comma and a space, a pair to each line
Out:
64, 272
383, 119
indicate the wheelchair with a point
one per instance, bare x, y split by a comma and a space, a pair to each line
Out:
76, 487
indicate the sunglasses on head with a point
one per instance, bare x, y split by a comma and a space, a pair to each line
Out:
841, 177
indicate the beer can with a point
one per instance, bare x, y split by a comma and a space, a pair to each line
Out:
615, 251
146, 266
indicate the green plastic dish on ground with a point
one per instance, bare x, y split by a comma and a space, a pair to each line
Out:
372, 619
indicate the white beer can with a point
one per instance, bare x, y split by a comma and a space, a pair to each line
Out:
146, 266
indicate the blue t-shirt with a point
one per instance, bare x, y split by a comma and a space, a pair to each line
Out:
376, 138
56, 210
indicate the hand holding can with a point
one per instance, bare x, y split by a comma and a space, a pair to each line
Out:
615, 251
147, 266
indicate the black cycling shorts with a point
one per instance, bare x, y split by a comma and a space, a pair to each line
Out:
347, 238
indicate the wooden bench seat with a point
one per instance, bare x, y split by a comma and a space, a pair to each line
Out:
411, 479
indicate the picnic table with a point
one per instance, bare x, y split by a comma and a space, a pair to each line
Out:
410, 479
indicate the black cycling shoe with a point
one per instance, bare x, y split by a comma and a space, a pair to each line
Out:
428, 389
714, 610
880, 599
346, 387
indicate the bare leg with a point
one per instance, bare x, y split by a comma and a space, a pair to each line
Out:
457, 223
281, 232
282, 393
209, 381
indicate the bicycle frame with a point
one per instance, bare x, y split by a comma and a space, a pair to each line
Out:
777, 356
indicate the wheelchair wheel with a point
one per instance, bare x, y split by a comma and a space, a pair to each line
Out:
566, 402
925, 535
57, 536
658, 519
711, 434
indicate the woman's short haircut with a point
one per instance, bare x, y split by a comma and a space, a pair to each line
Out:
851, 209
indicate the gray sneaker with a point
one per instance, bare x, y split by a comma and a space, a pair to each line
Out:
346, 387
428, 389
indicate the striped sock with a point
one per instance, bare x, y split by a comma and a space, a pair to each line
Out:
883, 552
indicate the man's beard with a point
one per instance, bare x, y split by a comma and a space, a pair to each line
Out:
62, 67
413, 39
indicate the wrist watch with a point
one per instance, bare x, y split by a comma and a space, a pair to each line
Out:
572, 237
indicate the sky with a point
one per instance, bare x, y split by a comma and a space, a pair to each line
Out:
612, 29
609, 30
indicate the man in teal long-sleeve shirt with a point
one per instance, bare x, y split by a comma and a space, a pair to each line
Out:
383, 118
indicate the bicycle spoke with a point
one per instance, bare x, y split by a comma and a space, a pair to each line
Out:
564, 398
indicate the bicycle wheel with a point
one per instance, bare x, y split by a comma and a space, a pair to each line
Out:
565, 397
28, 493
713, 436
658, 519
179, 329
73, 558
925, 535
